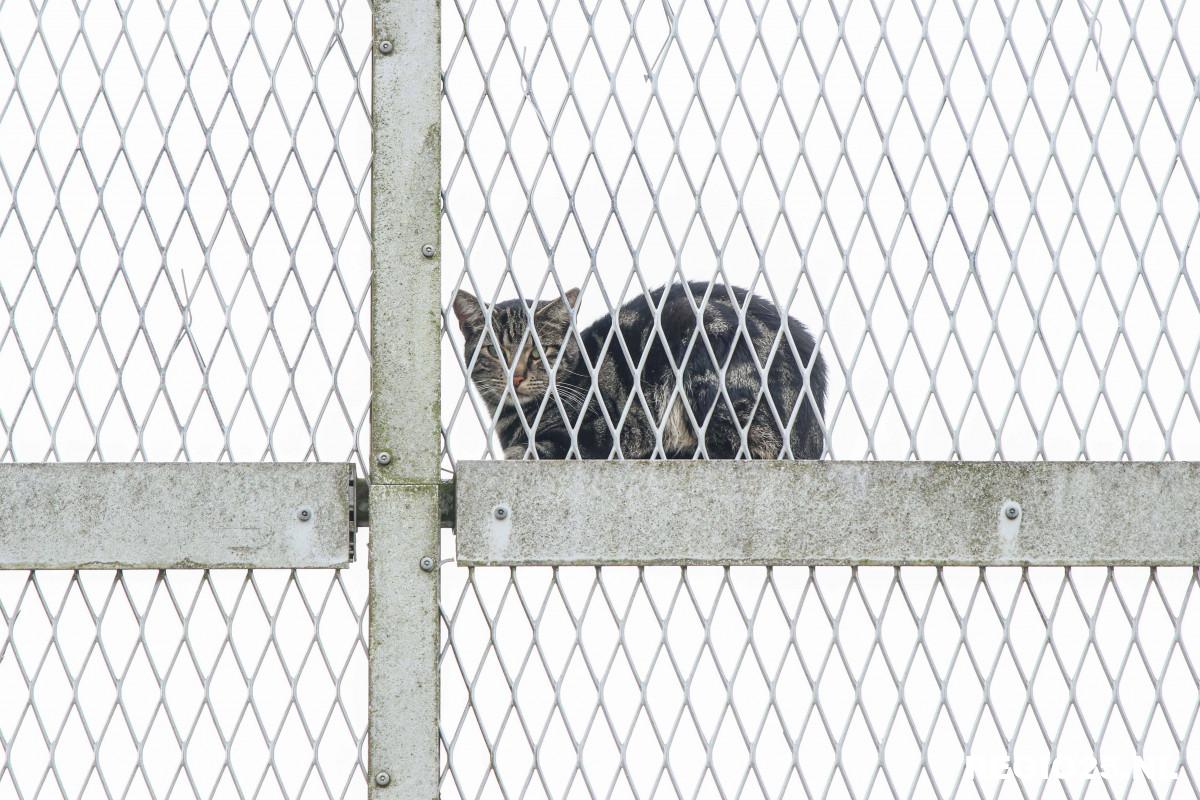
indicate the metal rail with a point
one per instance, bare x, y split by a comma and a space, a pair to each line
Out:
851, 513
159, 516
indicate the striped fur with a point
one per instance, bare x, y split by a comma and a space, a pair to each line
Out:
573, 416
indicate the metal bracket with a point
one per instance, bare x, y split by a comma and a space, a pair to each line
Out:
353, 502
362, 504
446, 503
361, 511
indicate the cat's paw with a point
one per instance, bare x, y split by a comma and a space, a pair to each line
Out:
514, 453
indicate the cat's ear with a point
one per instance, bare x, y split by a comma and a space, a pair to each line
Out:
469, 313
558, 311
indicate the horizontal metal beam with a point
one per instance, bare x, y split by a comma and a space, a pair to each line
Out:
73, 516
779, 512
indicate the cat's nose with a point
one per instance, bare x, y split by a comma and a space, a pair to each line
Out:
518, 380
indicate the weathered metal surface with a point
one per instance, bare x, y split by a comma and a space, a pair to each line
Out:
406, 218
696, 512
134, 516
406, 388
362, 504
405, 630
446, 501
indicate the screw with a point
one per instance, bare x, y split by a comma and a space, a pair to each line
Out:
427, 563
427, 251
1012, 511
385, 46
304, 514
501, 512
384, 458
382, 778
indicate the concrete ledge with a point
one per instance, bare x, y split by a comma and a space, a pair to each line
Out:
142, 516
779, 512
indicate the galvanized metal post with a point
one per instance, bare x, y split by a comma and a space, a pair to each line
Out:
403, 727
406, 223
405, 419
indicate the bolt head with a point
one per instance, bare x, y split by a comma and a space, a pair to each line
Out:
384, 458
427, 563
385, 46
427, 251
1012, 511
500, 512
304, 514
383, 778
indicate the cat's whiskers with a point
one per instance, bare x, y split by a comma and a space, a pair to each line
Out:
573, 394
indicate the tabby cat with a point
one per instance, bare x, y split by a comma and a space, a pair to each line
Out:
556, 397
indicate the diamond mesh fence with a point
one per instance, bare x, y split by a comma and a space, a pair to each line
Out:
185, 239
819, 682
187, 683
984, 213
184, 276
613, 682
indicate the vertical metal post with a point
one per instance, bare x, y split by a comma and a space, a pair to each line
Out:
406, 223
403, 727
406, 387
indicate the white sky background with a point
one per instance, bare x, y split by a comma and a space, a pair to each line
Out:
1059, 321
1011, 293
196, 201
953, 329
989, 236
184, 275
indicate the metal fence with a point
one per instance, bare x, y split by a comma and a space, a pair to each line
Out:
819, 682
185, 239
184, 276
183, 683
982, 212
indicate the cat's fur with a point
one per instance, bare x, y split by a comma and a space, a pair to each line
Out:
736, 423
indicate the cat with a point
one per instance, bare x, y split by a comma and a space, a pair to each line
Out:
560, 402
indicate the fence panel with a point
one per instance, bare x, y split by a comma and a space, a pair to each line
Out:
819, 682
984, 213
186, 238
185, 241
984, 216
183, 683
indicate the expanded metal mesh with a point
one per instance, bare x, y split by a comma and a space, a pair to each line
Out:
985, 211
187, 683
184, 276
745, 682
184, 240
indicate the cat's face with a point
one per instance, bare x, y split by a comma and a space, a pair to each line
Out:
507, 345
